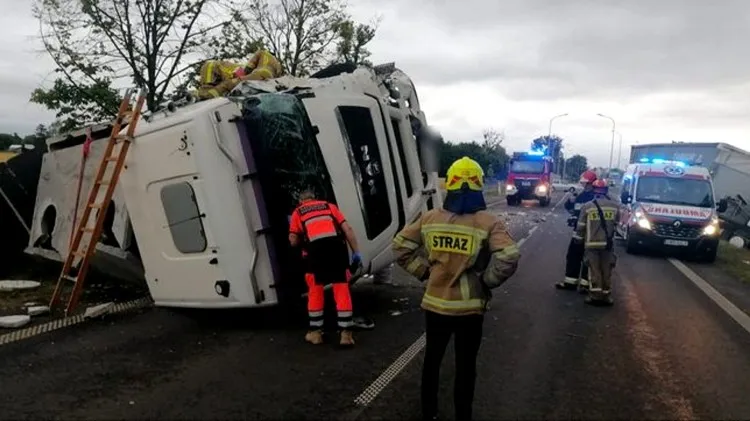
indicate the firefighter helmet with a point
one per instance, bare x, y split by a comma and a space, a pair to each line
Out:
587, 177
600, 186
464, 171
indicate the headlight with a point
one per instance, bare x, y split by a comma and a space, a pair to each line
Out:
510, 187
542, 189
644, 223
712, 228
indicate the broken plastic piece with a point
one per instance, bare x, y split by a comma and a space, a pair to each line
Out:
15, 285
16, 321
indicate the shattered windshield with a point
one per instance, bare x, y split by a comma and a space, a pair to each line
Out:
675, 191
528, 167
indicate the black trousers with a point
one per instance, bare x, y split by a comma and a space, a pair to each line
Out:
468, 334
574, 261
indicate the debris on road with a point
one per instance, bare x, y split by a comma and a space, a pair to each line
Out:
16, 321
98, 310
18, 285
396, 313
37, 310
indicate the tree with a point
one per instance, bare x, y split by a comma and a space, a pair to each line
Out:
575, 166
97, 43
302, 34
352, 40
552, 145
494, 153
489, 154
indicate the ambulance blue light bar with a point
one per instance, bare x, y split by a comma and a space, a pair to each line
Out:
663, 161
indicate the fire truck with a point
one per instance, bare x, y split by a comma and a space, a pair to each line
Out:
529, 178
669, 205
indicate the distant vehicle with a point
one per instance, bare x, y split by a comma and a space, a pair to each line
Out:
669, 205
529, 178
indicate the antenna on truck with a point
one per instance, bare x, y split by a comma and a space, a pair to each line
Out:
98, 202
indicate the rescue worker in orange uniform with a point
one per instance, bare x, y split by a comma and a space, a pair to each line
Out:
596, 226
463, 252
322, 231
218, 77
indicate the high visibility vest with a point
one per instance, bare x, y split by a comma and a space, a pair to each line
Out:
318, 221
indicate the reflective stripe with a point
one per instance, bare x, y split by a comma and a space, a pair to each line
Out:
592, 289
315, 313
479, 233
345, 324
470, 304
316, 323
465, 290
508, 252
322, 235
404, 242
416, 264
343, 314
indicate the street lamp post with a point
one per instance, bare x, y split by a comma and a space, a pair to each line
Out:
612, 147
549, 133
619, 151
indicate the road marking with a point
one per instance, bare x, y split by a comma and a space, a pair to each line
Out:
56, 324
375, 388
735, 313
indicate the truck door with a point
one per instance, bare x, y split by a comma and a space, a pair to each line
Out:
353, 139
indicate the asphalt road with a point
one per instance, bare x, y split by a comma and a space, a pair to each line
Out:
664, 351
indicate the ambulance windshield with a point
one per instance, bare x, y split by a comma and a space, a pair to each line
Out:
675, 191
527, 167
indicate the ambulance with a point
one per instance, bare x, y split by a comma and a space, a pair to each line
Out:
669, 206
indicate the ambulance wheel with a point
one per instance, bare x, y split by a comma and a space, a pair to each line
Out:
631, 244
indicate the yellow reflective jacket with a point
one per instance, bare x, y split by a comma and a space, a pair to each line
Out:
264, 65
590, 227
213, 72
462, 255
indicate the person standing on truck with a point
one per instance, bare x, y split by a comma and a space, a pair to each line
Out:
463, 252
322, 231
576, 273
596, 226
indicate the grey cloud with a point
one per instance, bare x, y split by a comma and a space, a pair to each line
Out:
547, 49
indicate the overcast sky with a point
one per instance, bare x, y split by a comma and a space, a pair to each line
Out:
663, 69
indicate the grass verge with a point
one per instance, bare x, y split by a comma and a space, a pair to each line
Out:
734, 261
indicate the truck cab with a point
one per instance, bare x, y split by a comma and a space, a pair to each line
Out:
669, 205
529, 178
210, 186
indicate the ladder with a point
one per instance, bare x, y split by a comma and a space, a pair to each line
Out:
98, 202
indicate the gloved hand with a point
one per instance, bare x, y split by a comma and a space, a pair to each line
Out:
356, 258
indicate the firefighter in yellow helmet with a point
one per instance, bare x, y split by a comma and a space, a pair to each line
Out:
463, 252
218, 77
596, 225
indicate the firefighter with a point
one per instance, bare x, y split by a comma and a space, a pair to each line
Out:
596, 226
262, 65
463, 252
322, 231
576, 273
217, 78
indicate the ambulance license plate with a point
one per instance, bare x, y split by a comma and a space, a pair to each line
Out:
681, 243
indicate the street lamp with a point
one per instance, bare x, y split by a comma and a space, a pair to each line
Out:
612, 147
549, 134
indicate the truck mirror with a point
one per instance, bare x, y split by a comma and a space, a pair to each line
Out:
722, 206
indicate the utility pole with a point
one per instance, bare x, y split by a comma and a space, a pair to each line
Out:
612, 146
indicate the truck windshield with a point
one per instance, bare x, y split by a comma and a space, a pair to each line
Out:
675, 191
528, 167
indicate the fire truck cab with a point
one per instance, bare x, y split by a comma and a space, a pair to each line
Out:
529, 178
669, 205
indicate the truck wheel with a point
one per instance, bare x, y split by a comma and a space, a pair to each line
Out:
544, 201
511, 201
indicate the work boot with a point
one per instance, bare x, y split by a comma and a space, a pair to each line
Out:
315, 337
567, 283
346, 338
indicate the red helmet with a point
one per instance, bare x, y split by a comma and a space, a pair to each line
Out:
600, 187
587, 177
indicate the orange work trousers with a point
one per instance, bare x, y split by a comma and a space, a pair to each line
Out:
316, 302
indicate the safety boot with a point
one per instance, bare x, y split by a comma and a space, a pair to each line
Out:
567, 283
346, 338
315, 337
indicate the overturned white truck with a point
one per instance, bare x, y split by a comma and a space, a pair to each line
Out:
209, 186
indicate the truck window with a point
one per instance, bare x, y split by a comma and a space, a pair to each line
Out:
402, 157
528, 167
364, 157
183, 217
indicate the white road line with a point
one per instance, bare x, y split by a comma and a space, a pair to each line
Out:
738, 315
390, 373
56, 324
